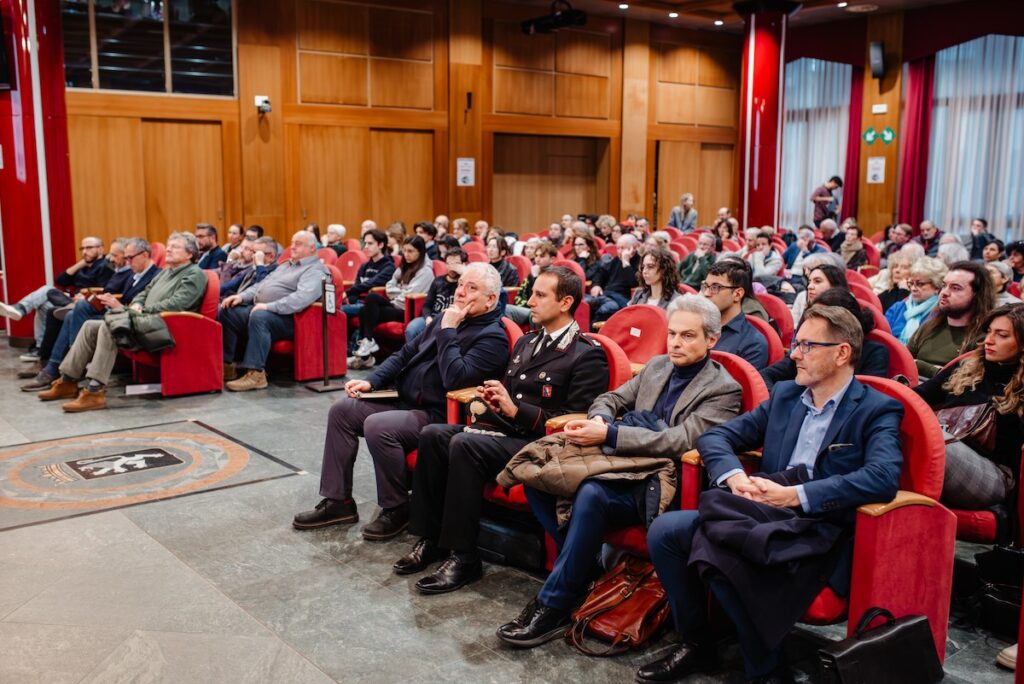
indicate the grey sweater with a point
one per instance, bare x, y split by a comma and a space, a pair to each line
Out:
292, 286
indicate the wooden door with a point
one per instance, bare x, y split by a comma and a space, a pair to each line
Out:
703, 169
334, 181
402, 176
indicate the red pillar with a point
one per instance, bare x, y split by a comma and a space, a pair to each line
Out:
36, 229
761, 110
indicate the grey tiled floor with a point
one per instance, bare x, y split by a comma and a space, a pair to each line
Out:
219, 587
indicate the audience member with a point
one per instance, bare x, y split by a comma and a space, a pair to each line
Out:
481, 228
556, 234
554, 370
993, 251
725, 285
441, 293
1001, 277
831, 235
314, 230
460, 230
965, 300
396, 238
852, 248
376, 271
366, 226
952, 252
428, 231
765, 260
239, 260
725, 229
179, 287
929, 237
800, 249
694, 266
1015, 259
254, 232
898, 236
588, 256
832, 413
983, 472
821, 271
446, 244
519, 312
260, 315
619, 473
414, 274
891, 283
658, 280
497, 250
923, 285
603, 226
979, 238
235, 236
211, 256
335, 238
874, 356
441, 223
460, 348
264, 262
614, 282
684, 217
825, 204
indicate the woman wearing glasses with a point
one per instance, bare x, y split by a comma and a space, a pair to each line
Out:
925, 281
587, 255
658, 278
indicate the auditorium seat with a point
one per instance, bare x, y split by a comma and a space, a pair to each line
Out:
285, 255
687, 241
440, 268
672, 232
327, 255
901, 362
348, 265
610, 250
642, 332
881, 322
874, 256
865, 294
522, 265
775, 349
307, 349
856, 277
729, 245
686, 289
583, 310
679, 250
353, 244
780, 313
158, 252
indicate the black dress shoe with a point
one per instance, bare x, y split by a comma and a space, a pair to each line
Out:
685, 660
391, 522
453, 574
40, 381
543, 625
780, 675
327, 512
423, 554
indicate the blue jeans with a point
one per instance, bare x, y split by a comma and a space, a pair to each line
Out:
669, 541
73, 322
598, 507
415, 327
257, 330
603, 306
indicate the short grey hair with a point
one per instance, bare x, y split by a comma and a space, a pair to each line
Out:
336, 229
605, 221
118, 243
267, 240
1003, 268
188, 241
490, 276
691, 303
582, 227
914, 249
934, 270
953, 252
813, 261
830, 224
139, 244
806, 234
308, 237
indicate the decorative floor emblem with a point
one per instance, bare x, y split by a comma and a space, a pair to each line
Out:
118, 464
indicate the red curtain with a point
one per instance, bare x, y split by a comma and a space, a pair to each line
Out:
851, 174
916, 135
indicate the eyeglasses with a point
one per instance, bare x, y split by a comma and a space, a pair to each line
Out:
805, 346
85, 247
129, 257
919, 283
715, 288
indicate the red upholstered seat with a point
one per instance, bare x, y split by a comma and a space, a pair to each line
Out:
679, 249
780, 313
881, 322
865, 294
306, 347
856, 277
901, 362
348, 264
522, 265
327, 255
286, 254
874, 256
158, 252
640, 329
687, 241
775, 349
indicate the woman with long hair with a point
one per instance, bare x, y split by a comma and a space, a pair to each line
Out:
497, 250
984, 471
414, 274
586, 254
658, 279
820, 275
891, 282
924, 283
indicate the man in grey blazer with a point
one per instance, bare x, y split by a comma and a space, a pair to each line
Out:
672, 402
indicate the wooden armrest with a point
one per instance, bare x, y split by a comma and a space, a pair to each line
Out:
636, 367
416, 295
903, 498
188, 314
464, 395
559, 422
692, 457
597, 325
380, 289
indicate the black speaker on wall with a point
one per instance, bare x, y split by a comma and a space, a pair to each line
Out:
876, 55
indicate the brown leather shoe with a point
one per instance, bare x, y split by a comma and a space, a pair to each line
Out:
60, 389
253, 380
230, 372
87, 401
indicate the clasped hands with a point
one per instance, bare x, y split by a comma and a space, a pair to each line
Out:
496, 396
763, 491
586, 432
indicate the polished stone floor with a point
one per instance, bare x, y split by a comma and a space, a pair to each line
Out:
217, 586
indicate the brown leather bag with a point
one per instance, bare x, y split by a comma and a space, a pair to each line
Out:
976, 423
625, 607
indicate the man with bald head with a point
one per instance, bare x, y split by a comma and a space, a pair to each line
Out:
929, 238
441, 223
260, 315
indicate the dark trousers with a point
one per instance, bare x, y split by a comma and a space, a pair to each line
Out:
256, 330
452, 468
669, 541
597, 507
377, 309
390, 434
603, 306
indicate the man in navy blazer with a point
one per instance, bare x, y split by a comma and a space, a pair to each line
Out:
830, 444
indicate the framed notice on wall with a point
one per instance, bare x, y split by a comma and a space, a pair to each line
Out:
876, 170
465, 172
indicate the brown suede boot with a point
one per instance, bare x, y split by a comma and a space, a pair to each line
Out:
60, 389
87, 401
230, 372
253, 380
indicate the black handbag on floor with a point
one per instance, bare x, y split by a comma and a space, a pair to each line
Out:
900, 651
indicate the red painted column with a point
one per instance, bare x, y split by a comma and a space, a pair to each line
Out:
761, 105
36, 225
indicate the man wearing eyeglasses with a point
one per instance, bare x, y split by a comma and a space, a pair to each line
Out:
92, 270
830, 444
726, 285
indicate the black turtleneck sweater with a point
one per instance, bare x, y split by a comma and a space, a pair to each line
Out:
1009, 428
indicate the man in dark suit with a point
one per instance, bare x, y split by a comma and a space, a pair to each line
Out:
830, 445
554, 370
211, 256
460, 348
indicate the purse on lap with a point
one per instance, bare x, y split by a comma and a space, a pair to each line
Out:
976, 422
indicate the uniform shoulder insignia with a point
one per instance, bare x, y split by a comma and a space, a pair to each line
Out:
590, 340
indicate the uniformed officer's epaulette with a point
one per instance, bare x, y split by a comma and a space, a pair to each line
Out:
587, 339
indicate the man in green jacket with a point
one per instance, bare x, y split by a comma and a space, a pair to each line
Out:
179, 287
694, 267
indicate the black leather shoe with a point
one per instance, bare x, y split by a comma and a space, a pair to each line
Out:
543, 625
453, 574
390, 522
781, 675
423, 554
327, 512
685, 660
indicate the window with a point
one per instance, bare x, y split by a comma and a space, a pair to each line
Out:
166, 46
816, 118
976, 151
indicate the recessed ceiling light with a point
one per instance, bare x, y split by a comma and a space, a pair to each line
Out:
623, 6
842, 5
719, 22
673, 15
862, 8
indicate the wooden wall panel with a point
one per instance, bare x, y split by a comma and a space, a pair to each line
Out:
401, 34
395, 83
582, 96
263, 148
579, 52
718, 68
678, 172
636, 93
332, 27
677, 63
524, 92
676, 104
107, 177
717, 186
717, 107
333, 79
401, 176
184, 174
333, 173
513, 48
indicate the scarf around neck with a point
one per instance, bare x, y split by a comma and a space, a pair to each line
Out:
915, 313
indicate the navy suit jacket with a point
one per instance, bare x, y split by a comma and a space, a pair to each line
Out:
213, 259
128, 291
860, 458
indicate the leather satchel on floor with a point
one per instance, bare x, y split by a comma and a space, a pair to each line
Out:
898, 652
625, 607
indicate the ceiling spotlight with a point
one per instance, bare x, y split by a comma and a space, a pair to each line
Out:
719, 22
673, 15
623, 5
842, 5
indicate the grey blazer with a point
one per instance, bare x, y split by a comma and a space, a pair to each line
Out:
710, 399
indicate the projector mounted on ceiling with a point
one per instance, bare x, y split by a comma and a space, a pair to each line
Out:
562, 16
